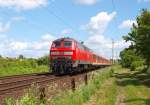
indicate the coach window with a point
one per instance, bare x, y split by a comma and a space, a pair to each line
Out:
67, 43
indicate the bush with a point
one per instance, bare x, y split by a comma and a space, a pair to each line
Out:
136, 64
13, 66
83, 94
130, 59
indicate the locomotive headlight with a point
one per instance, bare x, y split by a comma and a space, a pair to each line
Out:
68, 53
62, 53
55, 53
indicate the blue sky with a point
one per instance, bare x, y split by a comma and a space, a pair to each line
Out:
29, 26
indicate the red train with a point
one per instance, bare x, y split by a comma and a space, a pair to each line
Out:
69, 56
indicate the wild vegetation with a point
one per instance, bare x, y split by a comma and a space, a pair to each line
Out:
130, 59
21, 65
125, 87
77, 97
139, 50
115, 86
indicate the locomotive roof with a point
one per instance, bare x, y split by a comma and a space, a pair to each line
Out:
75, 41
64, 38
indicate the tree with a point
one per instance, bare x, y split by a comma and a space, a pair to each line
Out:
140, 36
43, 60
130, 59
21, 56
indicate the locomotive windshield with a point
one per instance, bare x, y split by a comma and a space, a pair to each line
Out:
57, 43
67, 43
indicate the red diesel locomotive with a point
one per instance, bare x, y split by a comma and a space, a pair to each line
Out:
69, 56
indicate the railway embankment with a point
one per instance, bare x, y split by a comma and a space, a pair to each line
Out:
74, 90
125, 87
110, 86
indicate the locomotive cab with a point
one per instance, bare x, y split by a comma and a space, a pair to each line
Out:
62, 55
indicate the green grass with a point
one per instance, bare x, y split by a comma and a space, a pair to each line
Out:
30, 98
136, 93
78, 97
17, 70
24, 66
105, 95
107, 88
83, 94
135, 86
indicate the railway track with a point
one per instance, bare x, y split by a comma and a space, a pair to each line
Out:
14, 86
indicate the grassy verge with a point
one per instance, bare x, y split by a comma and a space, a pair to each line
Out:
137, 95
16, 70
106, 95
135, 86
13, 66
83, 94
117, 86
77, 97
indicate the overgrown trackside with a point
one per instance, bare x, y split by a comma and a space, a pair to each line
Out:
16, 66
124, 88
84, 93
135, 86
116, 86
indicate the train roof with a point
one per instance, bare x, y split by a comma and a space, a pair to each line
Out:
64, 38
75, 41
80, 44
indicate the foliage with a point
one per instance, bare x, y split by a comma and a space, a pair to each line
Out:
140, 36
43, 60
21, 56
130, 59
15, 66
133, 87
26, 100
84, 93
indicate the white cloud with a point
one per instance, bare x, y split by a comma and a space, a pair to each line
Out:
103, 46
44, 44
98, 23
16, 45
30, 49
97, 40
22, 4
127, 24
48, 37
86, 2
4, 27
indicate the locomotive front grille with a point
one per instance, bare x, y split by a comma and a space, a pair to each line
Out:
62, 61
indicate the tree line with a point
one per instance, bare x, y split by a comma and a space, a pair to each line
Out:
22, 61
138, 53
